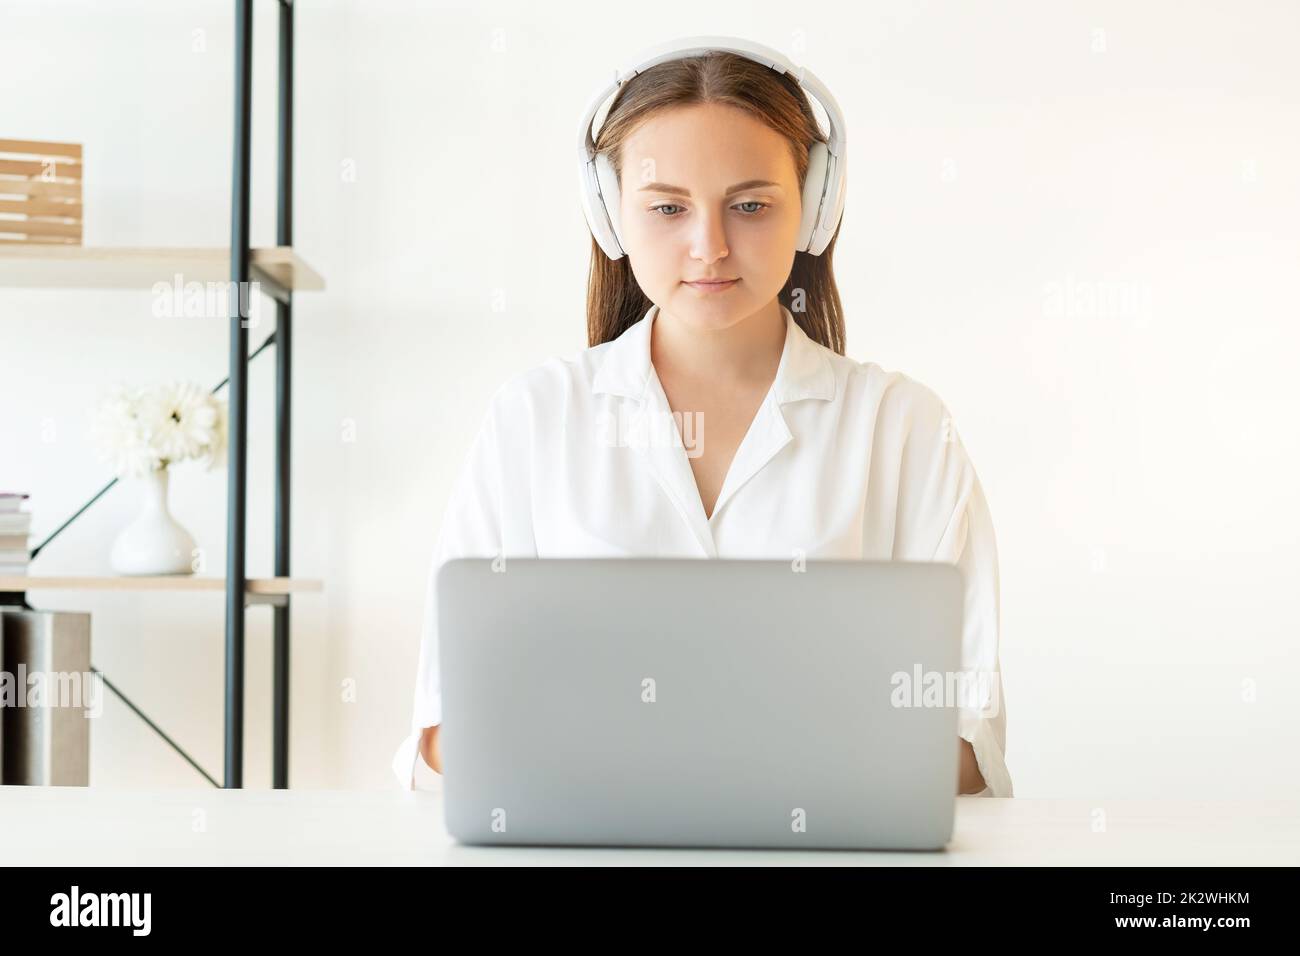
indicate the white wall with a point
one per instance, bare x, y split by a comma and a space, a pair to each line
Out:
1011, 167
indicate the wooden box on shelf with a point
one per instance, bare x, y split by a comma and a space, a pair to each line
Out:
40, 192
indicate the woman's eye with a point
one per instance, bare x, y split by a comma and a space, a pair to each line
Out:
748, 212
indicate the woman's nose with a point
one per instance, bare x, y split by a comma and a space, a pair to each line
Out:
710, 239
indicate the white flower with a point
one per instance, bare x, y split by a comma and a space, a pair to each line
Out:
143, 429
122, 441
213, 453
181, 420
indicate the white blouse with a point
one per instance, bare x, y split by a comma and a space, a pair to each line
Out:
842, 460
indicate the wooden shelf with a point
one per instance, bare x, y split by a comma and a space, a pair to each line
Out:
49, 265
178, 582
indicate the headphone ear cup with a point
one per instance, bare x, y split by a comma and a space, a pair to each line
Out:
610, 202
836, 187
814, 185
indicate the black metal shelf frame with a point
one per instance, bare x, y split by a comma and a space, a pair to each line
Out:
237, 462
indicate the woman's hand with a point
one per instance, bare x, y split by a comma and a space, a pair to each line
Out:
429, 748
970, 780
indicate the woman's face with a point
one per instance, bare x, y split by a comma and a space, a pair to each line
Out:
683, 219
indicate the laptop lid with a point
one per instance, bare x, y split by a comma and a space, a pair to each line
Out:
690, 702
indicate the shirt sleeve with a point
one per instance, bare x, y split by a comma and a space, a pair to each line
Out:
943, 516
982, 720
471, 527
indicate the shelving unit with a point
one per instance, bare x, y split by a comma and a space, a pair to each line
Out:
278, 272
256, 590
279, 268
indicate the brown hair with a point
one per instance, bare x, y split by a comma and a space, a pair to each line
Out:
614, 299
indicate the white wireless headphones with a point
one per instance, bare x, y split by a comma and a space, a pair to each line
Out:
823, 191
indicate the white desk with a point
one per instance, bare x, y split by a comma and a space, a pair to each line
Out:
87, 826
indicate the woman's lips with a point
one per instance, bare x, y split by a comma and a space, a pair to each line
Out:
713, 286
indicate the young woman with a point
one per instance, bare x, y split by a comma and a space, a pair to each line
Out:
718, 321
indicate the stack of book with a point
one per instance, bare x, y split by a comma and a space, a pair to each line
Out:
14, 527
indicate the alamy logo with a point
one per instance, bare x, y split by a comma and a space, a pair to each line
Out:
23, 688
976, 690
643, 428
208, 300
102, 909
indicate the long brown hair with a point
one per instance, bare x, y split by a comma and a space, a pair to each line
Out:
614, 299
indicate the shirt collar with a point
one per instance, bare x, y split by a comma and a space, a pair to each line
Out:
804, 370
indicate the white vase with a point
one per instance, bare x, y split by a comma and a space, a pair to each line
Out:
154, 543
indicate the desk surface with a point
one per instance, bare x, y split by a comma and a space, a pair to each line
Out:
79, 826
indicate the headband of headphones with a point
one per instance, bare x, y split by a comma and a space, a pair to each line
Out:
823, 191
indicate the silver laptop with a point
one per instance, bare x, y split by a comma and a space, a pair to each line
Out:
698, 702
